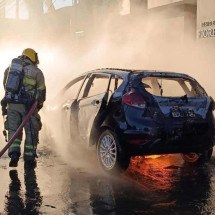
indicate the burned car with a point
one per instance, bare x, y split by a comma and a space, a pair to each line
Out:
127, 113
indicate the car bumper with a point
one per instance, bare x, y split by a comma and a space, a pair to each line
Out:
167, 140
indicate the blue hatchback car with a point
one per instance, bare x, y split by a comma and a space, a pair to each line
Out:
127, 113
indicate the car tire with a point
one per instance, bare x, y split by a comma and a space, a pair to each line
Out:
110, 154
198, 157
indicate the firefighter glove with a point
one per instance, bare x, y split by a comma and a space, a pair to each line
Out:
4, 106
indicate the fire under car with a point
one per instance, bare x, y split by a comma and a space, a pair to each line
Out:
125, 113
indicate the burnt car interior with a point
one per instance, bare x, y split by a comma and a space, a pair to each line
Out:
95, 84
115, 82
171, 87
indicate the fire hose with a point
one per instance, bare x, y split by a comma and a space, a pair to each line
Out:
25, 120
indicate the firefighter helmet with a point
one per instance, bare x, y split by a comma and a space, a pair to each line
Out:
31, 54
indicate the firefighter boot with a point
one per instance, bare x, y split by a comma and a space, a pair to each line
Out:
14, 159
30, 159
30, 164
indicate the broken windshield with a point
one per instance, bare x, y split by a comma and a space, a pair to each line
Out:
172, 87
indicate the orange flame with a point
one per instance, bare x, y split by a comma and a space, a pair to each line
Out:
154, 172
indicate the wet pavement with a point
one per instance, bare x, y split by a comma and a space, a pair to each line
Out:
151, 185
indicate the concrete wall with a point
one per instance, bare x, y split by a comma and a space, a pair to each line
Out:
177, 22
158, 3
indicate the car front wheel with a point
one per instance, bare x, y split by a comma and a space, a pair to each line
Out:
111, 156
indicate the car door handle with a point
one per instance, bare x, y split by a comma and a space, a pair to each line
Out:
95, 102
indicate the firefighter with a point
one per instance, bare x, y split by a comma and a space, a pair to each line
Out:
27, 79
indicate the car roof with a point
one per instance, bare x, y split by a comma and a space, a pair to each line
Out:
113, 71
144, 73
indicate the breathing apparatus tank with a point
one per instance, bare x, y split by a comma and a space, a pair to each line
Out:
14, 80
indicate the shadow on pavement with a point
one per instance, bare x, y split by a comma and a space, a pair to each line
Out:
20, 202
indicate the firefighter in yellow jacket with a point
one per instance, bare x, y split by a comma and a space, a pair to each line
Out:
24, 75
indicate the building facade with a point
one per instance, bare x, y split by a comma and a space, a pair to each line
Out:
83, 21
206, 21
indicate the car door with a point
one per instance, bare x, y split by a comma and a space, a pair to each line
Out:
69, 107
92, 99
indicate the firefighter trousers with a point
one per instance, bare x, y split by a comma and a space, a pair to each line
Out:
15, 116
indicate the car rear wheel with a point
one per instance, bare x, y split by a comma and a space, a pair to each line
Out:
198, 157
110, 154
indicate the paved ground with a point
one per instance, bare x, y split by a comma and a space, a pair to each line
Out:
163, 185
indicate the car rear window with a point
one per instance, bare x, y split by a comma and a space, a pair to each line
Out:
170, 87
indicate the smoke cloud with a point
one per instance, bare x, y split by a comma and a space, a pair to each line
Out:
157, 41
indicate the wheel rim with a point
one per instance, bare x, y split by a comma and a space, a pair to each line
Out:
108, 151
191, 157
